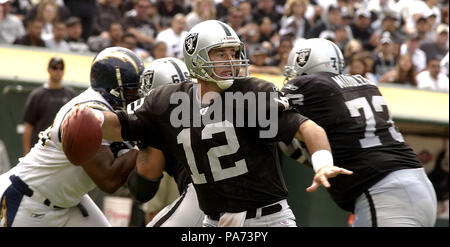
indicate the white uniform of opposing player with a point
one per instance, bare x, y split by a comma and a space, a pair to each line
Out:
58, 187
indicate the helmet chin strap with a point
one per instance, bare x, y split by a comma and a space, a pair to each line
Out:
120, 92
224, 85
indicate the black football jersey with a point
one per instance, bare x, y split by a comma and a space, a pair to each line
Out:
232, 165
178, 172
360, 130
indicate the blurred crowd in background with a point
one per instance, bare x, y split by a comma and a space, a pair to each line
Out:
388, 41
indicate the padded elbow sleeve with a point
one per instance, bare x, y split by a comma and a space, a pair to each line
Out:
143, 189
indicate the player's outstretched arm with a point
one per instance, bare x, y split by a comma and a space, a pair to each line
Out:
107, 172
316, 141
111, 128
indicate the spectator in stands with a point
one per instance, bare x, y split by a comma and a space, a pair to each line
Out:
294, 20
40, 10
361, 63
445, 65
203, 10
445, 15
267, 33
33, 35
258, 63
411, 47
167, 9
423, 30
356, 66
246, 8
314, 11
20, 8
112, 38
439, 47
432, 78
74, 31
425, 9
140, 25
106, 13
390, 24
361, 28
251, 35
404, 72
266, 8
346, 15
282, 52
174, 36
380, 7
352, 47
384, 58
129, 41
11, 27
159, 50
121, 5
432, 22
47, 12
369, 62
235, 19
154, 16
223, 7
57, 43
340, 35
44, 102
85, 11
331, 17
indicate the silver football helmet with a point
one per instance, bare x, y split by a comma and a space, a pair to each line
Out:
161, 72
209, 35
312, 56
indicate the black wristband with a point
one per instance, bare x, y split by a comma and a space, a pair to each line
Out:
142, 188
122, 115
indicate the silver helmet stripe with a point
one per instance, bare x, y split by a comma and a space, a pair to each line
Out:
227, 31
180, 73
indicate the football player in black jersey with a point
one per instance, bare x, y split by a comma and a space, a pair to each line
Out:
389, 187
233, 162
184, 211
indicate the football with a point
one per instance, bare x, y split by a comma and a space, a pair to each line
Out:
81, 135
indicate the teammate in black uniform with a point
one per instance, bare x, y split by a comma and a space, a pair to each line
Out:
184, 211
389, 186
234, 167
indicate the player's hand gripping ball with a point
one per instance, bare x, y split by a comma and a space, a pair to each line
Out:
81, 135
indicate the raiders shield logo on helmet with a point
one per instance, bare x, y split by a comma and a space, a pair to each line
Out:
147, 81
190, 43
303, 56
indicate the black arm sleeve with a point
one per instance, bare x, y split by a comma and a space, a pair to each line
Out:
124, 122
141, 188
288, 124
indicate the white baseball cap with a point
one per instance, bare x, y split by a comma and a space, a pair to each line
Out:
363, 12
442, 28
